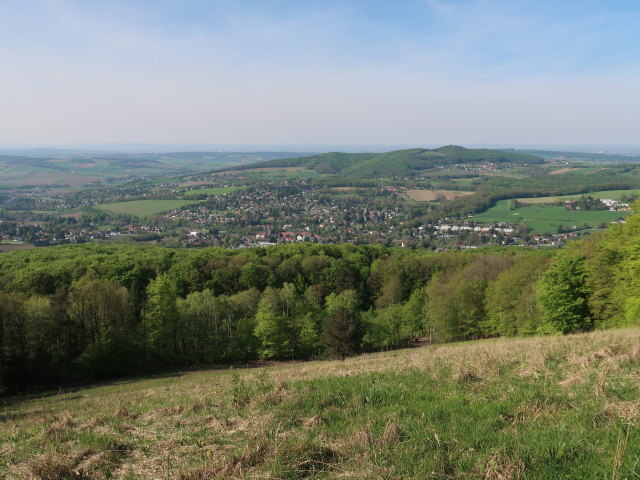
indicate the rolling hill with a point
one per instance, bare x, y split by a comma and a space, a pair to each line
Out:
399, 162
596, 157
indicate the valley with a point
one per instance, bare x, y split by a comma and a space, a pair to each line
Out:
399, 198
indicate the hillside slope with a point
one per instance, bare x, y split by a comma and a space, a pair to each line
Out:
399, 162
536, 408
583, 156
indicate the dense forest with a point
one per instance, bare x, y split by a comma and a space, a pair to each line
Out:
79, 312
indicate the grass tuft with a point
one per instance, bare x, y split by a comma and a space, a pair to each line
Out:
51, 467
534, 408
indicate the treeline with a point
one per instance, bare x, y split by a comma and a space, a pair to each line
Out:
74, 313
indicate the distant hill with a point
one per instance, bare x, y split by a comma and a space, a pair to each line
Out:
582, 156
399, 162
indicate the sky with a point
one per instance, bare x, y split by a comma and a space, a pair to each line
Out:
302, 72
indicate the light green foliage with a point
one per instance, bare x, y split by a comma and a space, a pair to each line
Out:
620, 254
511, 303
347, 299
563, 295
455, 306
161, 319
207, 325
306, 336
272, 331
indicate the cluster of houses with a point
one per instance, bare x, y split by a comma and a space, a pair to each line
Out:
616, 205
290, 237
500, 228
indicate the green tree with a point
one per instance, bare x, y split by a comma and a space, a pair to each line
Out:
103, 314
206, 326
342, 330
511, 303
161, 320
563, 294
272, 332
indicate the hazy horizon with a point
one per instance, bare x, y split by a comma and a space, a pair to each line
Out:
336, 72
303, 149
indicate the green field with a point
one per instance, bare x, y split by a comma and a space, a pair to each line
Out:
546, 218
612, 194
143, 208
279, 173
560, 407
211, 191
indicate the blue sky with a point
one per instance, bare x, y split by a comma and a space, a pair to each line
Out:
415, 72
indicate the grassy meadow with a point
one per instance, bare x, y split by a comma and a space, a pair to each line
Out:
210, 191
535, 408
143, 208
612, 194
546, 218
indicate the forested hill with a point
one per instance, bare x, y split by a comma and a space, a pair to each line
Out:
397, 163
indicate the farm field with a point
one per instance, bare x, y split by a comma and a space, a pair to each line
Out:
431, 195
275, 173
562, 171
536, 408
143, 207
211, 191
580, 168
612, 194
74, 172
546, 218
83, 169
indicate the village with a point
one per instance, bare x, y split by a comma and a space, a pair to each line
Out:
263, 213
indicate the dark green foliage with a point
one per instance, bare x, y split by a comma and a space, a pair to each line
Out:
343, 330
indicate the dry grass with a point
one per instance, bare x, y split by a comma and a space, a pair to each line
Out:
501, 467
561, 171
193, 183
254, 423
431, 195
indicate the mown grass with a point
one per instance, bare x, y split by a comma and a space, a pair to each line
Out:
539, 408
